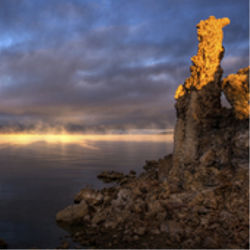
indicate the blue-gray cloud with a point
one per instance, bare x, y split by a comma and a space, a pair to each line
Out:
113, 63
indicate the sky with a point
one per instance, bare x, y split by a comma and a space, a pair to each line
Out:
105, 65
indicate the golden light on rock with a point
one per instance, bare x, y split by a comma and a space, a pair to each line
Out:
236, 89
210, 52
179, 92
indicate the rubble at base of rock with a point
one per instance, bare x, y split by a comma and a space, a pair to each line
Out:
112, 176
148, 213
196, 198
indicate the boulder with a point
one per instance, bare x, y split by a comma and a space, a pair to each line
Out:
72, 215
88, 195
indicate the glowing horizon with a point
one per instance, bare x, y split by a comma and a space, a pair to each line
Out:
80, 139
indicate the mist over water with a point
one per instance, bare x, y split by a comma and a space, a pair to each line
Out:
40, 174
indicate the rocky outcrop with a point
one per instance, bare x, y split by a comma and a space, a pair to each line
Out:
205, 131
112, 176
73, 215
146, 212
206, 64
196, 198
236, 89
198, 99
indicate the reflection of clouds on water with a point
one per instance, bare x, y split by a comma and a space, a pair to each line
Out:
85, 141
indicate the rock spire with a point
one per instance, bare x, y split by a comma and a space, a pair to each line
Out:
198, 99
210, 52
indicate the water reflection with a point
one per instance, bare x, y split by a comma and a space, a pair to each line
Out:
26, 139
41, 173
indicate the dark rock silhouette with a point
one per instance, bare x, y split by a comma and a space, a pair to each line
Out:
199, 196
3, 244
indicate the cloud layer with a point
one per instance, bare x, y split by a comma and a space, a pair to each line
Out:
107, 63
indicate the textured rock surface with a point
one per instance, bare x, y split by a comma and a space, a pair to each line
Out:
196, 198
198, 99
112, 176
236, 89
210, 52
89, 196
74, 214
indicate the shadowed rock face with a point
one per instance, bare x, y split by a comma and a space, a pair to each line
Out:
196, 198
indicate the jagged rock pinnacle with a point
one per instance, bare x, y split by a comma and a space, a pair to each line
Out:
209, 55
206, 134
236, 89
198, 99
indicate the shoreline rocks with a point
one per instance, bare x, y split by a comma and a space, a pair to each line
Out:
149, 213
113, 176
197, 197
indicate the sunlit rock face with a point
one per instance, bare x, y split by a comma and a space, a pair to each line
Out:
236, 89
207, 61
204, 128
211, 146
198, 99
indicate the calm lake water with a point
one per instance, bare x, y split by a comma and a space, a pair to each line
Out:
40, 174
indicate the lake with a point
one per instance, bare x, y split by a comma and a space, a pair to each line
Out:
40, 174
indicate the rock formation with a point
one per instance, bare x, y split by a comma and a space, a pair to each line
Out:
196, 198
236, 89
198, 99
205, 130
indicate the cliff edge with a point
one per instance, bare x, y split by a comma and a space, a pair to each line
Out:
199, 196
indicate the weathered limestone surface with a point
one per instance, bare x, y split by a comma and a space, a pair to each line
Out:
236, 89
199, 196
198, 99
210, 52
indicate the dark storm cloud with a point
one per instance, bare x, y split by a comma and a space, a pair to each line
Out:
105, 63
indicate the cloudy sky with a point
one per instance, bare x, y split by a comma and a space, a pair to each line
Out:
105, 63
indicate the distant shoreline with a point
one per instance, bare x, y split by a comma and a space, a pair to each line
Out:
89, 132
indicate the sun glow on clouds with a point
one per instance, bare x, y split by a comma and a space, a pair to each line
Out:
26, 139
79, 139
